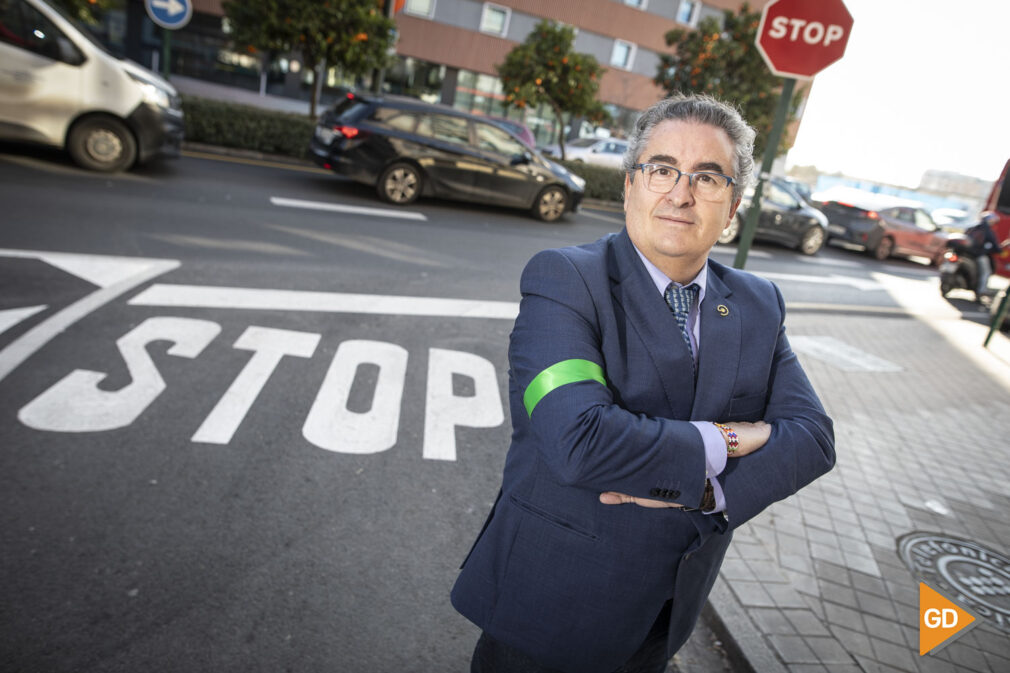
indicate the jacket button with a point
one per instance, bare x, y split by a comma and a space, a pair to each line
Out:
674, 494
654, 492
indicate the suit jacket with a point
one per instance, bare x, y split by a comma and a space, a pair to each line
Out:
577, 584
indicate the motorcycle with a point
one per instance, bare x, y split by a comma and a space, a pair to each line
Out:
959, 266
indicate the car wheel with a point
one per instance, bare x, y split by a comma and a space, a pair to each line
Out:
884, 248
400, 184
550, 204
102, 144
812, 241
730, 233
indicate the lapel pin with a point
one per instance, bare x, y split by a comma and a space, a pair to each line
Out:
722, 309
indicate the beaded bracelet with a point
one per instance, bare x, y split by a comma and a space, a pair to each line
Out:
731, 437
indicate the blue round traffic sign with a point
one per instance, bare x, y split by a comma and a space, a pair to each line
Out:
171, 14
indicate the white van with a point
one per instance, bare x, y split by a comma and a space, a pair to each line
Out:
59, 87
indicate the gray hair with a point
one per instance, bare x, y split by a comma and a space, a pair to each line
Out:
702, 109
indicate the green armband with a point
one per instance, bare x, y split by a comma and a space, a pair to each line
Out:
557, 375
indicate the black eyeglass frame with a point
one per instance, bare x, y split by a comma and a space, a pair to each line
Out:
690, 176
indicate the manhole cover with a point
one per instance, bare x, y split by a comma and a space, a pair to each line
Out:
975, 576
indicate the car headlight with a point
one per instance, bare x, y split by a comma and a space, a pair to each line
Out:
152, 93
579, 182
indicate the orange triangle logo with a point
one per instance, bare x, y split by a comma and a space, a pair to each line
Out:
940, 620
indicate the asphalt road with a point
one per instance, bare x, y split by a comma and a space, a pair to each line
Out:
246, 431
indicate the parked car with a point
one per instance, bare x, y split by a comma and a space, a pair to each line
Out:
407, 148
901, 227
60, 87
598, 151
785, 218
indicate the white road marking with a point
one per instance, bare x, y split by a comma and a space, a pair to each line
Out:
596, 216
830, 261
76, 403
332, 426
202, 296
731, 250
444, 411
338, 208
122, 275
840, 354
268, 346
833, 279
12, 316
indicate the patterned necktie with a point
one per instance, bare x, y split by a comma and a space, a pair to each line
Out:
680, 300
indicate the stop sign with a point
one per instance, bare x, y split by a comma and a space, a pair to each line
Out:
799, 38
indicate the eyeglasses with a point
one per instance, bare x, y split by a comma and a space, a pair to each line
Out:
707, 186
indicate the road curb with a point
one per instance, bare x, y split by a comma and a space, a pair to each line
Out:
741, 638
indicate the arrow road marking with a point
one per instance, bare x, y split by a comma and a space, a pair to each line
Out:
357, 210
173, 7
12, 316
114, 275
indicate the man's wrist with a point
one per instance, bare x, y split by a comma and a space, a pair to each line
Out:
728, 434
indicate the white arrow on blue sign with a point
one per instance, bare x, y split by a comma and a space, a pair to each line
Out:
171, 14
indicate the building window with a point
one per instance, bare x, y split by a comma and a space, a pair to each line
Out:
425, 8
495, 19
623, 55
640, 4
688, 12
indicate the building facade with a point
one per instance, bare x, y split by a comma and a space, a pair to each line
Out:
447, 51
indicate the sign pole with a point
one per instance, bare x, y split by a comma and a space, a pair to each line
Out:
754, 210
166, 50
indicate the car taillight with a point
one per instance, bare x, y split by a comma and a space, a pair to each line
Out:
347, 131
950, 256
873, 215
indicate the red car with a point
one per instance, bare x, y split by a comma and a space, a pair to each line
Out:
904, 230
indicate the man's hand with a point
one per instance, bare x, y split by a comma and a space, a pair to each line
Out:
750, 436
614, 498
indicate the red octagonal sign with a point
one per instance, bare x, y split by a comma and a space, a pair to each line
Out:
799, 38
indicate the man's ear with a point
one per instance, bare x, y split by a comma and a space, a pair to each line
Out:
627, 188
732, 211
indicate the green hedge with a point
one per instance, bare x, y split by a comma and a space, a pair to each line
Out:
602, 182
247, 128
250, 128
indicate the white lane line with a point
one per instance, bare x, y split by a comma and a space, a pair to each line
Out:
833, 279
338, 208
12, 316
840, 354
202, 296
827, 261
596, 216
731, 250
140, 271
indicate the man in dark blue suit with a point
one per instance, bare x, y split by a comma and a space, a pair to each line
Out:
656, 405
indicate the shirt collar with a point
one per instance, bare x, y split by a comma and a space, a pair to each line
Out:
662, 280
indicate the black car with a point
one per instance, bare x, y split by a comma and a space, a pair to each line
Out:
408, 148
786, 218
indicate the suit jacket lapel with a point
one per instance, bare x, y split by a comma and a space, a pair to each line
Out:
650, 317
719, 352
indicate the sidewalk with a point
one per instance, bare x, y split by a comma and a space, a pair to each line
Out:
816, 583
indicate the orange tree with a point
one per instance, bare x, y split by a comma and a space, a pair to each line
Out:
546, 69
724, 62
353, 35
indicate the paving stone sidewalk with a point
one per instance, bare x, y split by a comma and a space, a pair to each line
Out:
816, 583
